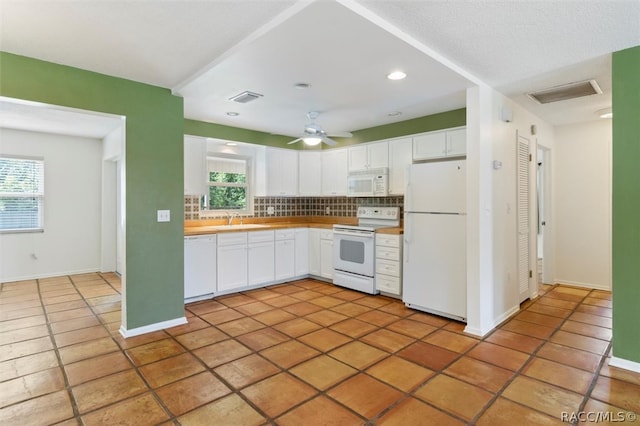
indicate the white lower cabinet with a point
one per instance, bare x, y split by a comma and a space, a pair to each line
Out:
326, 254
285, 254
232, 261
389, 264
314, 251
301, 264
260, 258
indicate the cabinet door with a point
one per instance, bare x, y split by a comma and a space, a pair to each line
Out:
314, 251
285, 259
261, 263
430, 145
457, 143
326, 258
399, 159
310, 173
358, 158
194, 163
282, 171
232, 267
301, 252
334, 172
378, 155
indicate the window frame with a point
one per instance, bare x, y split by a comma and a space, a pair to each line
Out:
39, 195
248, 184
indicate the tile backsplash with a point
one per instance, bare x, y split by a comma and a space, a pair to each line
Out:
302, 206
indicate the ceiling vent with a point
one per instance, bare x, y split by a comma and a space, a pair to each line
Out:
566, 91
245, 97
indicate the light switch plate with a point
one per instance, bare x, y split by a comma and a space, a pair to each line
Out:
164, 215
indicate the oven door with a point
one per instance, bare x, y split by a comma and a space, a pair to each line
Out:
353, 251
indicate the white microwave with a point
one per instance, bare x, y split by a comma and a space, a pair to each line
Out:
368, 183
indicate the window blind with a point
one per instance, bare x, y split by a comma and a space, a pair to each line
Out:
21, 194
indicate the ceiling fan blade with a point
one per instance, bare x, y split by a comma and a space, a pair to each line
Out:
341, 135
328, 141
294, 141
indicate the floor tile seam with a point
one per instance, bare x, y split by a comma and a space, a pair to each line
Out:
532, 356
72, 400
594, 379
109, 283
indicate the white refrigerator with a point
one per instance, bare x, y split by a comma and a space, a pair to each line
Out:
435, 261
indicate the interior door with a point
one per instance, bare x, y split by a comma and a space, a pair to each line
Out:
524, 268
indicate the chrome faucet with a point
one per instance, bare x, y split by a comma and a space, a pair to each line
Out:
232, 215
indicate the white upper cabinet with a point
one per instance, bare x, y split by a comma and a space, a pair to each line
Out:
282, 171
400, 157
334, 172
447, 143
369, 156
195, 150
309, 173
457, 143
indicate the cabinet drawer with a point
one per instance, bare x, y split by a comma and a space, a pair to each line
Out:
232, 239
388, 267
326, 234
260, 237
285, 234
387, 240
388, 284
390, 253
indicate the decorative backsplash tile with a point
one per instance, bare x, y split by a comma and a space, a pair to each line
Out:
191, 207
303, 206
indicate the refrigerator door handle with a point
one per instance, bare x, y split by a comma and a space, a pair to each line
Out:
407, 241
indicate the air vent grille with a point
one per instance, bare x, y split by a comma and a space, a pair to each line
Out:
565, 92
245, 97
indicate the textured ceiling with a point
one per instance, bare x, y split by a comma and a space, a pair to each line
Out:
210, 50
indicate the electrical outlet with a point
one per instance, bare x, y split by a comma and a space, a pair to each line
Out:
164, 215
271, 210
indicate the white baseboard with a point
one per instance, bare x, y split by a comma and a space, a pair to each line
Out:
49, 275
591, 286
625, 364
152, 327
497, 321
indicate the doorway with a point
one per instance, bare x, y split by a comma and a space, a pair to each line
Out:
543, 202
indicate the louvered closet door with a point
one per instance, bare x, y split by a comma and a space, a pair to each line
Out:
523, 217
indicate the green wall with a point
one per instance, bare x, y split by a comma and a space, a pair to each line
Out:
154, 172
428, 123
626, 204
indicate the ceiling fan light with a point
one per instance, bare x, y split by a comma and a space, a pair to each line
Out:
311, 140
605, 113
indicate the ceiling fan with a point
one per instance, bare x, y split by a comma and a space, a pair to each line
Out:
313, 134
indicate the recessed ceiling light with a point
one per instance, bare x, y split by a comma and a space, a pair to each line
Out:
605, 113
233, 114
231, 144
396, 75
394, 113
302, 85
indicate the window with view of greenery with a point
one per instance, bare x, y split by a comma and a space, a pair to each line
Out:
227, 178
21, 194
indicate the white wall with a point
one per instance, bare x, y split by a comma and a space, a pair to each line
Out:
71, 241
492, 292
582, 204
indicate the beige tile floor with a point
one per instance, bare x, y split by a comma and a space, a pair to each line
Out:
302, 353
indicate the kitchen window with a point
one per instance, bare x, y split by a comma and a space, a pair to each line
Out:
228, 179
21, 194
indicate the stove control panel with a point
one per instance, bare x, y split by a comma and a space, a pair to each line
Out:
389, 213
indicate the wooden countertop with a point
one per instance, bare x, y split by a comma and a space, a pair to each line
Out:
216, 226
